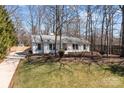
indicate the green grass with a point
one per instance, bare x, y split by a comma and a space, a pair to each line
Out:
76, 75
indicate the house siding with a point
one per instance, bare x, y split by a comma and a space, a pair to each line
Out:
80, 48
47, 39
35, 49
46, 48
69, 48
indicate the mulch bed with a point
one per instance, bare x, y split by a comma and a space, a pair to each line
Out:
80, 57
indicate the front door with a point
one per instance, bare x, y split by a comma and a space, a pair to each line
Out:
65, 46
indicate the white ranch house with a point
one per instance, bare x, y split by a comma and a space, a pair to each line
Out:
46, 44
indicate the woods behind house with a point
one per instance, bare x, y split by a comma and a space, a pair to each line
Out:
101, 25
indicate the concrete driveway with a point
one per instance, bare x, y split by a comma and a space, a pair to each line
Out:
8, 68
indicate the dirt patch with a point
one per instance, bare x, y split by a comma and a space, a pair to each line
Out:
1, 60
19, 48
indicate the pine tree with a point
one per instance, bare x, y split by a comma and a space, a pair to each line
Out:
7, 37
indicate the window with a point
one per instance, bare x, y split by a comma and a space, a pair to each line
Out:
75, 46
84, 47
39, 46
51, 46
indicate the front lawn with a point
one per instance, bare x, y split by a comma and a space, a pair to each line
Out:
73, 74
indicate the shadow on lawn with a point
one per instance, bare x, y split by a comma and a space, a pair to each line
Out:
116, 69
34, 63
41, 61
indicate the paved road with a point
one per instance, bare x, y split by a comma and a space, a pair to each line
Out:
8, 67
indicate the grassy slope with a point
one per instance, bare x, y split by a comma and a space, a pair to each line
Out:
48, 75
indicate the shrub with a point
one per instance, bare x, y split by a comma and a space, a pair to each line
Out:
30, 51
102, 52
61, 52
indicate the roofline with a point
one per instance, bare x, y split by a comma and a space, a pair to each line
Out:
86, 41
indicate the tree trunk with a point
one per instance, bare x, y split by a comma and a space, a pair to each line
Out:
122, 47
62, 13
103, 20
57, 25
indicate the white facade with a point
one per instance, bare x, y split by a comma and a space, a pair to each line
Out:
49, 47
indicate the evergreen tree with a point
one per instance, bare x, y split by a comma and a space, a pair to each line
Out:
7, 37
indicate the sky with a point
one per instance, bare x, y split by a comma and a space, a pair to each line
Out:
23, 13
